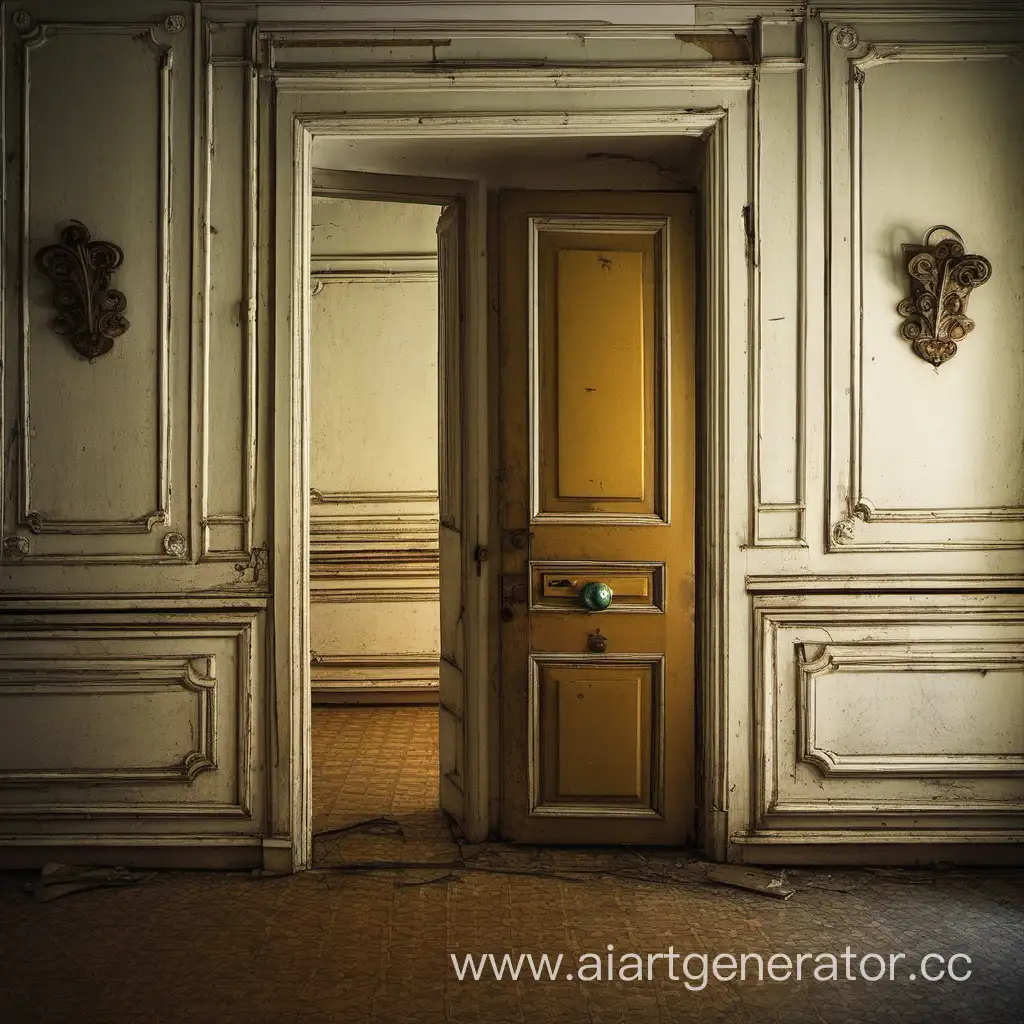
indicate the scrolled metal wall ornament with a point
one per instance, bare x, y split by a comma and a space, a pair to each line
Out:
942, 276
90, 314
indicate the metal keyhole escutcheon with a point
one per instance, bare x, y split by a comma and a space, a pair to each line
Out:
597, 643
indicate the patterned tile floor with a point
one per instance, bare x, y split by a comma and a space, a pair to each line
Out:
372, 947
371, 763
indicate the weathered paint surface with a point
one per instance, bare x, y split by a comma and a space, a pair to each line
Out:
862, 515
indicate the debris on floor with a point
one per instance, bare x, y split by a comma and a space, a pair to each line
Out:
753, 879
372, 826
56, 880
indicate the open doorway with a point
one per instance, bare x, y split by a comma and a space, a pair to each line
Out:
476, 173
374, 578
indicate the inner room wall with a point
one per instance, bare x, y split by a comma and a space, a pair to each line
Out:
373, 455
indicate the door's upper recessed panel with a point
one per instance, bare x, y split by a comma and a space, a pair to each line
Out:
598, 350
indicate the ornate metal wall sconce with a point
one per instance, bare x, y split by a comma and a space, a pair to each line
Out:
90, 314
942, 277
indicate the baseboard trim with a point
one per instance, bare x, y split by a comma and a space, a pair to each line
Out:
853, 854
210, 857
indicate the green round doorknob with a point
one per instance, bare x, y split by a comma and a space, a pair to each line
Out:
596, 596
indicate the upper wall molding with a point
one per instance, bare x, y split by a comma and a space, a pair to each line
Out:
915, 13
866, 55
594, 16
717, 76
694, 123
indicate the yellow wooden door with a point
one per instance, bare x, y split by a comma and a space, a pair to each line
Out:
597, 448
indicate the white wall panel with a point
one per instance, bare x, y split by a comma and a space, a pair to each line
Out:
777, 414
899, 715
924, 458
144, 717
954, 450
108, 485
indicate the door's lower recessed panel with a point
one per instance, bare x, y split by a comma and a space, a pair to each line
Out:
596, 735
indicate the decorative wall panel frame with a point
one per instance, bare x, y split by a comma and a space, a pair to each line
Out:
853, 521
375, 671
34, 36
988, 631
237, 628
777, 524
983, 656
241, 523
114, 676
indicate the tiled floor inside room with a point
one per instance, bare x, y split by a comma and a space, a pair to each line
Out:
351, 943
375, 786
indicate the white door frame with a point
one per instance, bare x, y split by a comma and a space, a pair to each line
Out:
291, 263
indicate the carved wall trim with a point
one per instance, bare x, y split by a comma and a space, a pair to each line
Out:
906, 657
358, 532
880, 582
717, 76
318, 497
408, 591
797, 636
80, 676
122, 671
452, 265
690, 123
38, 522
368, 673
244, 518
792, 513
846, 519
396, 268
929, 13
395, 555
391, 663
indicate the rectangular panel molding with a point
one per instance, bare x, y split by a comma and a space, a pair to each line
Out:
599, 363
858, 518
596, 735
896, 714
637, 587
883, 670
56, 708
75, 489
141, 716
228, 267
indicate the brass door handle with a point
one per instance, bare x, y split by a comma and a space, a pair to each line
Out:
595, 597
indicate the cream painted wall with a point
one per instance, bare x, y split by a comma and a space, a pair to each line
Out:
373, 451
863, 596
